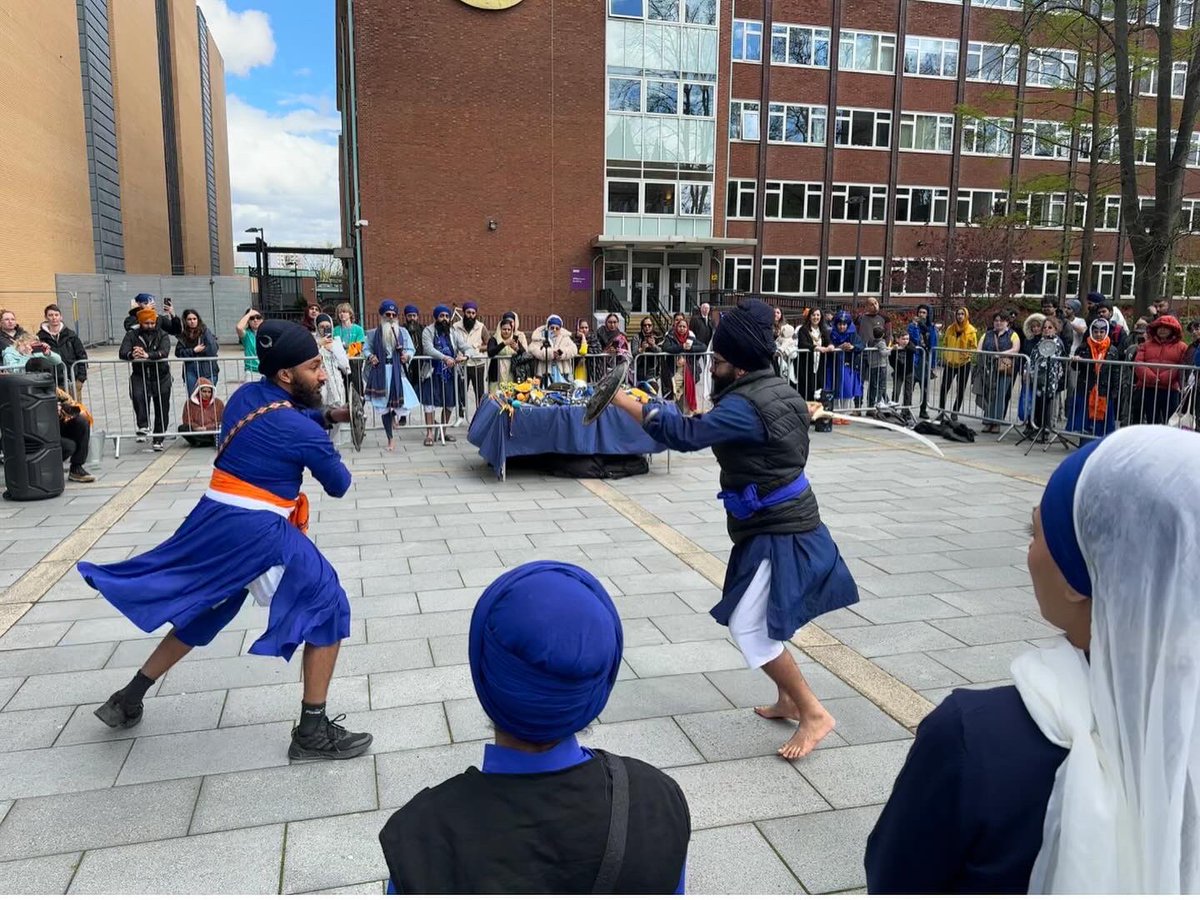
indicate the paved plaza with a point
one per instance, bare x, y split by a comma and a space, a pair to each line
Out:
200, 797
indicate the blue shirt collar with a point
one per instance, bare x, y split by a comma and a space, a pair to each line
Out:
507, 761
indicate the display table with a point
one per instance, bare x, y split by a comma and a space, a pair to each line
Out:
538, 430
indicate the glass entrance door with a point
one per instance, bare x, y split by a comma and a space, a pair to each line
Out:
647, 284
684, 286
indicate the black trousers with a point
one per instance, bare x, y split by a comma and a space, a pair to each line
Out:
75, 435
950, 375
475, 378
151, 391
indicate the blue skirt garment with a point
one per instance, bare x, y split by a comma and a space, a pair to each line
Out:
198, 579
808, 579
437, 391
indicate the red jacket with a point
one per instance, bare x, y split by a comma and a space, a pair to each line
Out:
1172, 351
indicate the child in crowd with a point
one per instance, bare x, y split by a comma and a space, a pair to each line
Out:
903, 359
877, 361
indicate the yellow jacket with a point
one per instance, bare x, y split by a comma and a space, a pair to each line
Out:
958, 337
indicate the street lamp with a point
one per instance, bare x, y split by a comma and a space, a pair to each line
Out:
261, 262
857, 204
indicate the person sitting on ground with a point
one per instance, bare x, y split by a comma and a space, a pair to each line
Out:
543, 815
247, 332
9, 329
55, 334
1083, 777
202, 413
26, 347
74, 424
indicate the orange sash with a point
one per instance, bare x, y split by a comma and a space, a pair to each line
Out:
298, 509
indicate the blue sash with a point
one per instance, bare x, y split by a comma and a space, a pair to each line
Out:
744, 504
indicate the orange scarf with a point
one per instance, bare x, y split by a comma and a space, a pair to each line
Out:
230, 484
1097, 405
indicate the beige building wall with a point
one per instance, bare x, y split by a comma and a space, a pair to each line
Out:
189, 129
45, 207
221, 151
133, 39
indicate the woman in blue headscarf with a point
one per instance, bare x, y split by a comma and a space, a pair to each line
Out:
842, 378
544, 815
1083, 778
387, 387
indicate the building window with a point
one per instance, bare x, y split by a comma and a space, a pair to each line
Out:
1148, 81
974, 206
998, 4
790, 275
840, 276
1041, 279
743, 120
922, 206
1051, 67
747, 41
1184, 13
1109, 217
930, 132
916, 276
1044, 210
867, 51
739, 273
659, 199
634, 9
863, 128
662, 98
623, 197
987, 137
789, 123
930, 57
1189, 218
795, 201
692, 12
844, 200
695, 199
800, 45
625, 95
993, 63
739, 200
698, 100
700, 12
1046, 140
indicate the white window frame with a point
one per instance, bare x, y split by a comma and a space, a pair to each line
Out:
740, 265
680, 19
641, 95
1049, 279
881, 117
1110, 205
939, 195
1189, 215
814, 115
706, 203
1000, 128
739, 108
885, 43
901, 271
998, 4
1051, 67
921, 47
872, 267
646, 182
875, 212
746, 26
1010, 58
1148, 81
975, 196
1045, 140
810, 269
787, 31
736, 189
774, 191
944, 130
608, 182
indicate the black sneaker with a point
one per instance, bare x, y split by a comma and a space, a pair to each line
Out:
81, 475
115, 714
328, 741
158, 446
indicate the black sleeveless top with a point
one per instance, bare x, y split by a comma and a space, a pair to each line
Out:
540, 833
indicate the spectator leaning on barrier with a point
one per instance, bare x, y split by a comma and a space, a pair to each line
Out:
148, 348
55, 334
1092, 404
1001, 346
959, 342
1160, 387
202, 412
924, 335
646, 341
905, 360
18, 354
607, 335
501, 349
412, 324
198, 345
1129, 408
683, 365
74, 424
585, 344
876, 360
247, 332
439, 382
9, 329
810, 338
475, 335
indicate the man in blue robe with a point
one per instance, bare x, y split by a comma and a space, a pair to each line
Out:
785, 569
247, 536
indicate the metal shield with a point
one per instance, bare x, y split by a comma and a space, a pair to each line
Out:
358, 420
606, 388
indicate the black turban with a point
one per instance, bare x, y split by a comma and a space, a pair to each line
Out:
745, 336
283, 345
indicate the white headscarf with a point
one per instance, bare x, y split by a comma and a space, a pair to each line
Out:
1124, 815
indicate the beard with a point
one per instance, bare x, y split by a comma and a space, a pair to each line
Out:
720, 384
442, 327
469, 323
307, 396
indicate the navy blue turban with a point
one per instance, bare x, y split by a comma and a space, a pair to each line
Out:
411, 310
1057, 510
387, 306
143, 299
545, 646
745, 336
440, 309
283, 345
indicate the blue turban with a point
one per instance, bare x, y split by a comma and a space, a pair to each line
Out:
387, 306
439, 309
745, 336
283, 345
545, 646
471, 304
1095, 298
1057, 510
143, 299
411, 310
554, 320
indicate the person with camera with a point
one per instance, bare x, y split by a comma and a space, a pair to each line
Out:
74, 423
554, 351
26, 347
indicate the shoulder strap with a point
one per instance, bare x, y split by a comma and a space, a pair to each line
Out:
246, 420
618, 825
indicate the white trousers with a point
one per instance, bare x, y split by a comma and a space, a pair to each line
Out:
748, 624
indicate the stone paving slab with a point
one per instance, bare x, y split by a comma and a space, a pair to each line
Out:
201, 797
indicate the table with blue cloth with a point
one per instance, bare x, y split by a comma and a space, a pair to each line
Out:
536, 430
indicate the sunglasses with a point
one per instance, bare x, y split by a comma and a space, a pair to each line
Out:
256, 318
389, 315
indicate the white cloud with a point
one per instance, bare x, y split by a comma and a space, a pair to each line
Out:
284, 174
302, 73
244, 38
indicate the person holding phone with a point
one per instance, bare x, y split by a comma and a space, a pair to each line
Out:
25, 348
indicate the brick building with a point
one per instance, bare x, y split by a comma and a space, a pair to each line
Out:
661, 149
114, 151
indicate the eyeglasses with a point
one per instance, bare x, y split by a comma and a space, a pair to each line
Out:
389, 315
256, 318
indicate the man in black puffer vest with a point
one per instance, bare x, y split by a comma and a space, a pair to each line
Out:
785, 569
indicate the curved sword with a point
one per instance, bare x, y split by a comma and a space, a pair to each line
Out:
866, 420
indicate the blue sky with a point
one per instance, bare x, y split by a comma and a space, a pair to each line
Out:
283, 124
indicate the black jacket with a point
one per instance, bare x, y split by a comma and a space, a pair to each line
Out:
69, 347
166, 324
158, 349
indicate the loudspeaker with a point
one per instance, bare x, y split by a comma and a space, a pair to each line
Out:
33, 462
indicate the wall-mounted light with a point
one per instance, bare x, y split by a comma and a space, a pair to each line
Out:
493, 224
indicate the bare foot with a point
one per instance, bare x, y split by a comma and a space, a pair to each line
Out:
391, 447
810, 732
781, 709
